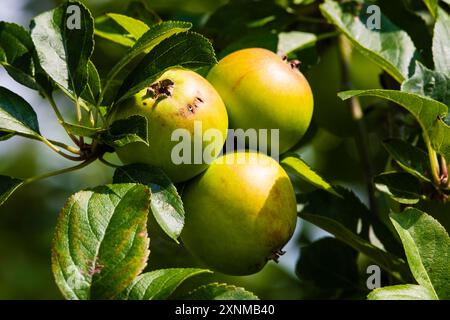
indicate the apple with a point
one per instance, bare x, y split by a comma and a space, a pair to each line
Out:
261, 90
239, 213
179, 100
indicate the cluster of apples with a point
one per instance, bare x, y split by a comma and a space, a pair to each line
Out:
239, 214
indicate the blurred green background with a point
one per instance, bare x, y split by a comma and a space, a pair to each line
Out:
28, 218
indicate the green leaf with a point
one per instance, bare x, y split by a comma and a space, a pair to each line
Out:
220, 291
289, 42
91, 92
432, 6
441, 44
401, 292
347, 210
426, 82
147, 42
427, 248
108, 29
188, 50
134, 27
400, 186
126, 131
328, 263
16, 115
410, 158
166, 205
7, 186
18, 57
339, 216
5, 135
385, 260
83, 131
294, 164
428, 112
64, 49
390, 47
265, 39
101, 243
159, 284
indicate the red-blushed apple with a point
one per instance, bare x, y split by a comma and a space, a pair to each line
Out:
179, 100
261, 90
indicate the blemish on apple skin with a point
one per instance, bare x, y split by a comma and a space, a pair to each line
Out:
194, 105
142, 234
238, 82
161, 89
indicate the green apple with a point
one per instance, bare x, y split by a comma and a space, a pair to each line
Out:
179, 99
239, 213
261, 90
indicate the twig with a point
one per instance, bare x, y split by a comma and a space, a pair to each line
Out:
58, 172
58, 151
58, 114
357, 116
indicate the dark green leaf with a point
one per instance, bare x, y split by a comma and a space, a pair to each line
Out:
7, 186
346, 209
220, 291
266, 39
63, 47
16, 115
426, 82
18, 56
390, 47
294, 164
188, 50
159, 284
328, 264
428, 112
166, 204
409, 157
16, 53
101, 243
385, 260
427, 248
93, 88
136, 28
441, 43
249, 17
140, 11
401, 292
147, 42
400, 186
126, 131
339, 216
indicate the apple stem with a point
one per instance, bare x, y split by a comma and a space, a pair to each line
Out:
275, 256
444, 172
